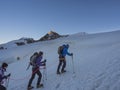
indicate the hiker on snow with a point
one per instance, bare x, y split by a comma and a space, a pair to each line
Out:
2, 76
36, 70
63, 51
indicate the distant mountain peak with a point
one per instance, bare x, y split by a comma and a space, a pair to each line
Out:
51, 32
50, 35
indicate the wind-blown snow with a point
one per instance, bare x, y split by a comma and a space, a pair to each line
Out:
96, 63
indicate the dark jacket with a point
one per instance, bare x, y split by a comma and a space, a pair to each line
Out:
2, 76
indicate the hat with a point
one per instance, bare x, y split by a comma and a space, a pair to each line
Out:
40, 53
4, 65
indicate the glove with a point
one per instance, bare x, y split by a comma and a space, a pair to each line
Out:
5, 77
71, 54
45, 61
9, 75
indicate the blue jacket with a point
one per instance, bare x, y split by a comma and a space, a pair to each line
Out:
65, 51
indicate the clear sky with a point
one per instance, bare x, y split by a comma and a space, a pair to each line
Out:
34, 18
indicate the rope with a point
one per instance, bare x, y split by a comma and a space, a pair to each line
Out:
28, 75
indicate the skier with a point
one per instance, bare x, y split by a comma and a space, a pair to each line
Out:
2, 76
36, 70
63, 51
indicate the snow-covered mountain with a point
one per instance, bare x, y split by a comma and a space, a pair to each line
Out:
24, 40
15, 43
96, 63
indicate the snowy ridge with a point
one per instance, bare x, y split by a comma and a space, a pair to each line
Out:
96, 60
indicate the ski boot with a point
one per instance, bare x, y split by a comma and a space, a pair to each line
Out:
39, 86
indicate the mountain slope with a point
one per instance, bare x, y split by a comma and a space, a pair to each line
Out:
96, 62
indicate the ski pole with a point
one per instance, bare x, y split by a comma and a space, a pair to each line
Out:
73, 64
7, 82
45, 69
43, 77
45, 73
28, 66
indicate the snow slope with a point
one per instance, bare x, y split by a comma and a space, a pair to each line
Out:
96, 63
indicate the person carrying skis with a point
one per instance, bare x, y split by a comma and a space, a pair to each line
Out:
2, 76
63, 51
36, 70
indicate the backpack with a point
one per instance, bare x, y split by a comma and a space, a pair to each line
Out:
33, 59
60, 49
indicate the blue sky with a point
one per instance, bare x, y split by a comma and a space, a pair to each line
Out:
34, 18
